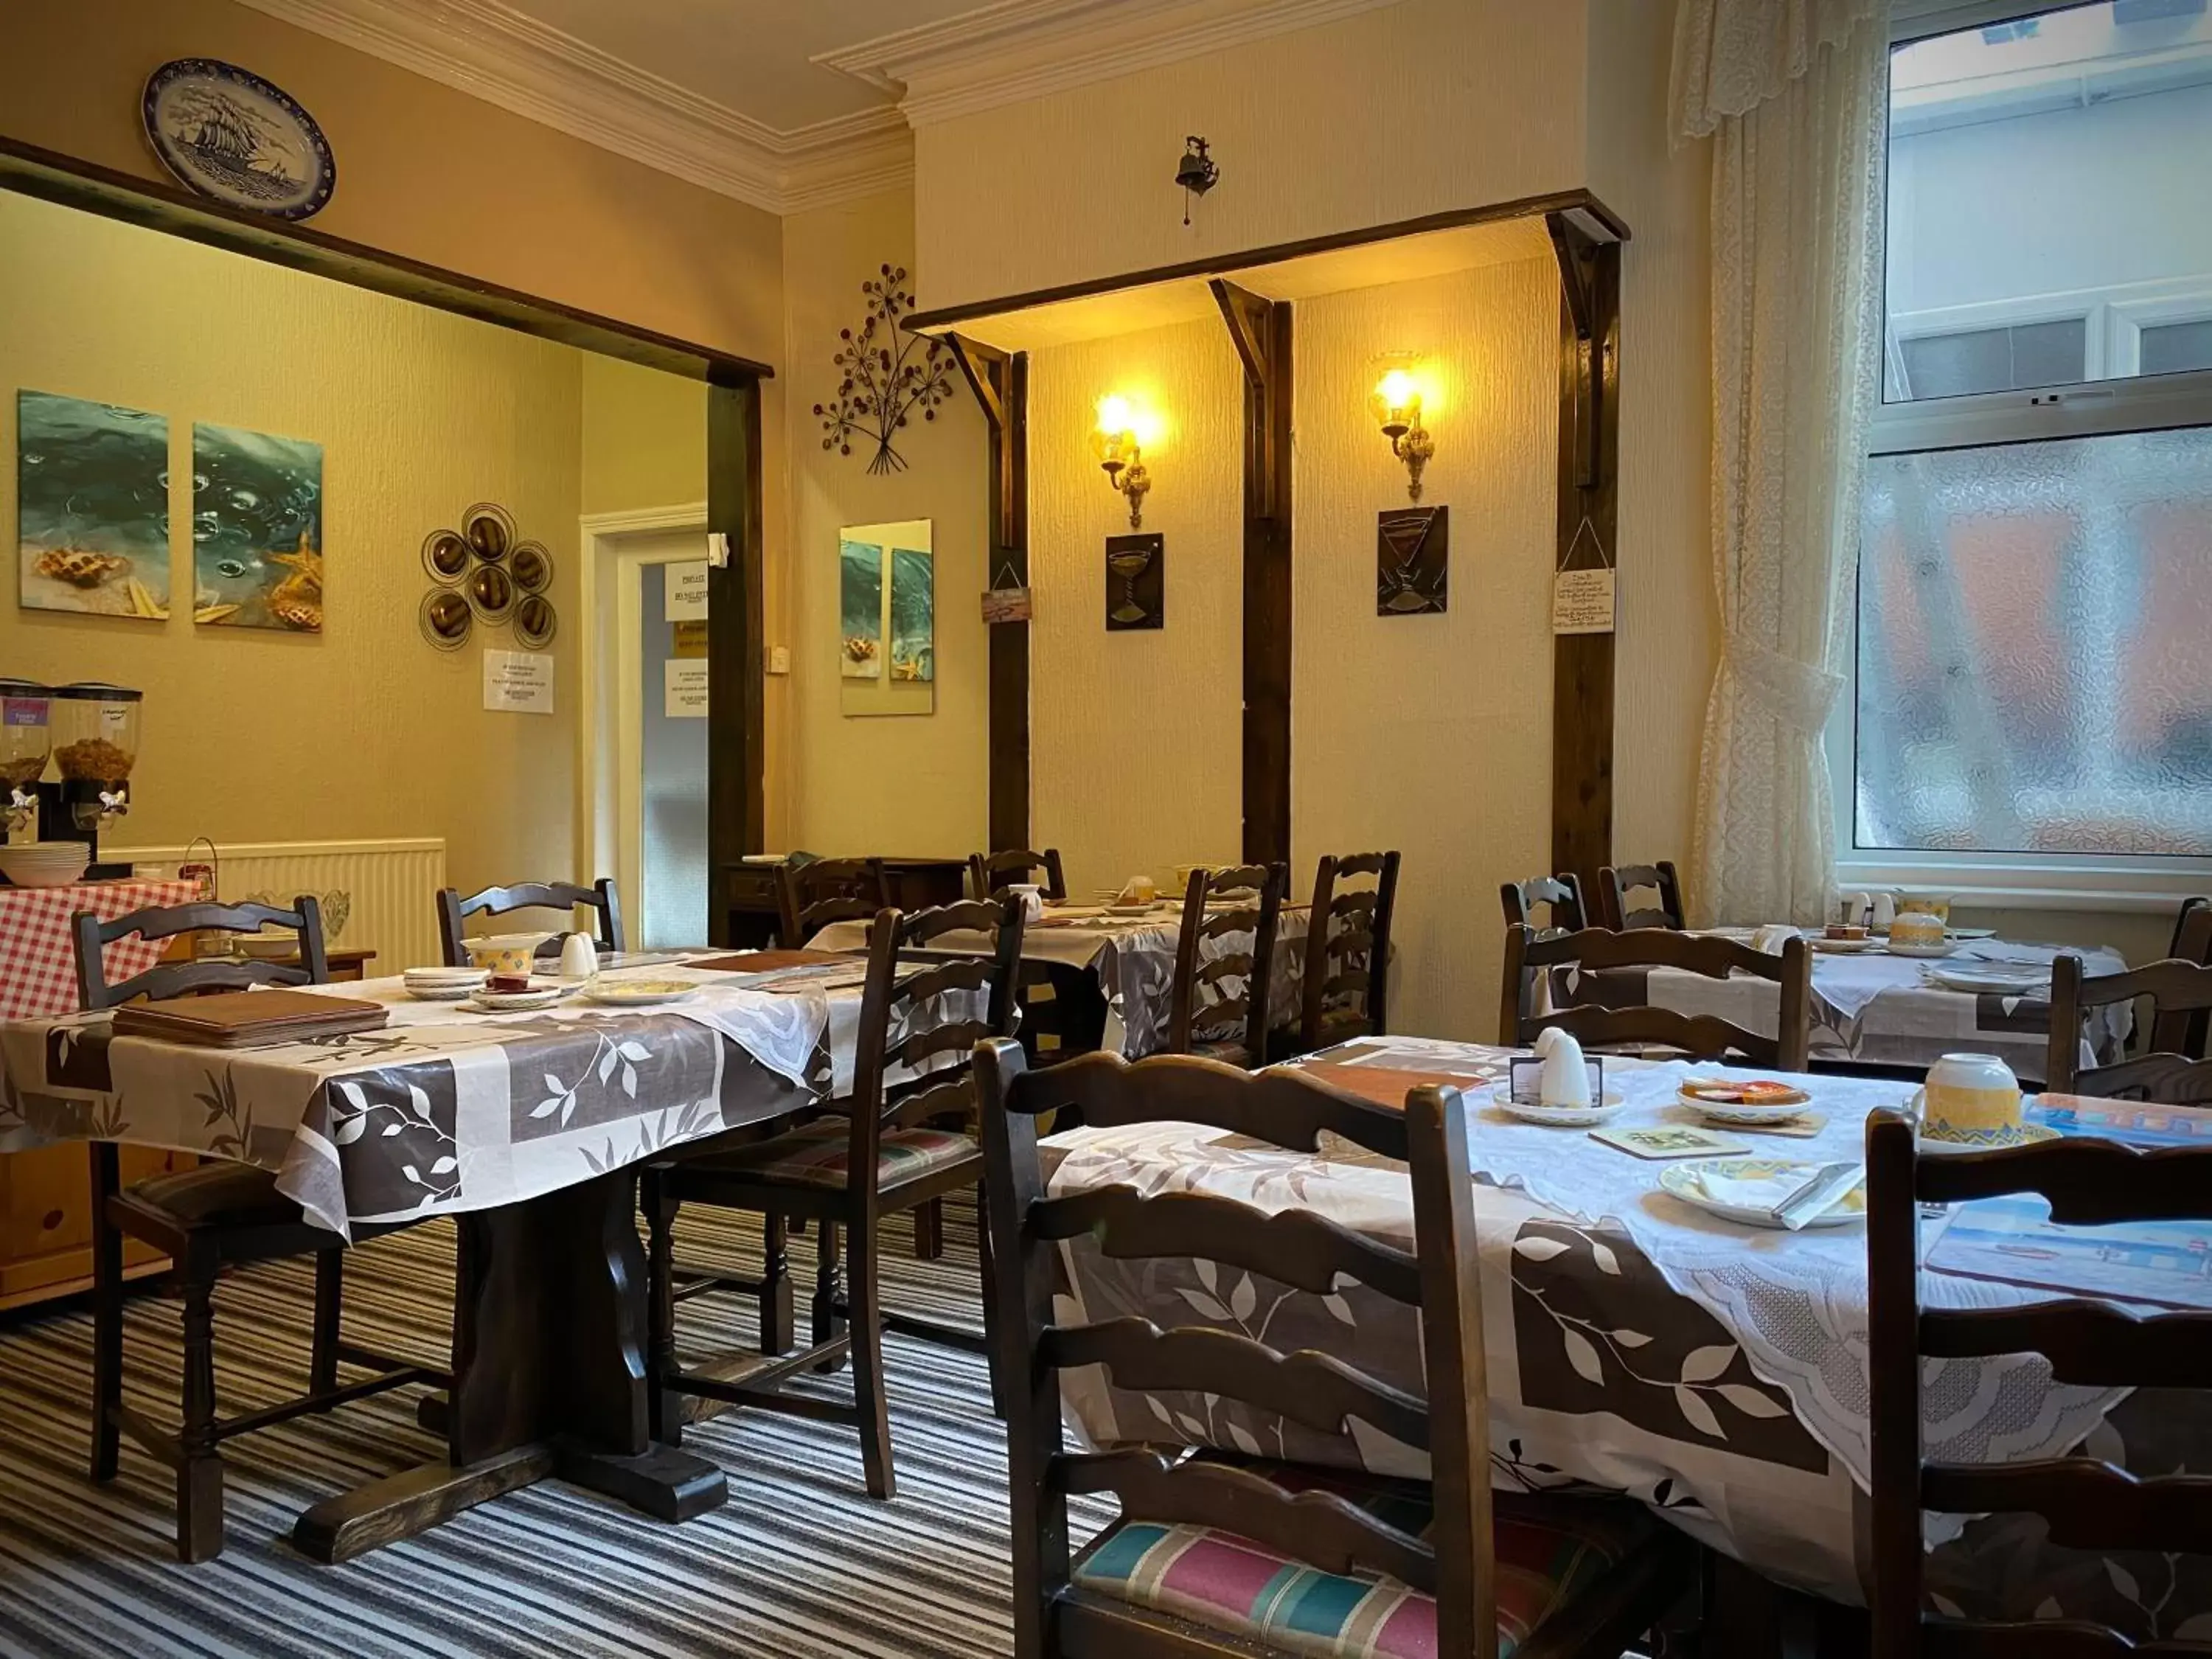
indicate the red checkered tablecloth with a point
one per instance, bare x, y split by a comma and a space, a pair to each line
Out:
38, 963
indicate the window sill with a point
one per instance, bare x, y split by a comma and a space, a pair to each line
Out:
1994, 882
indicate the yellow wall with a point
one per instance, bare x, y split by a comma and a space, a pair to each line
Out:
644, 437
1136, 738
1429, 734
1410, 109
365, 731
915, 786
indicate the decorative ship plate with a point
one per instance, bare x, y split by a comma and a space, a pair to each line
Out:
232, 136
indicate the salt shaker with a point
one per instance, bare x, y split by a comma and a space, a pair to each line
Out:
579, 959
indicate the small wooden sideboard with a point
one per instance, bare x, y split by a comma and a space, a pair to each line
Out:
748, 899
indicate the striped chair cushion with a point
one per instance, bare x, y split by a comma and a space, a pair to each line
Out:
820, 1154
1547, 1552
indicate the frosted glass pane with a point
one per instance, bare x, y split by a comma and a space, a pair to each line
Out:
1996, 358
2035, 647
2171, 348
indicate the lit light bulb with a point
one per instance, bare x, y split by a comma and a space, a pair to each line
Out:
1398, 389
1114, 417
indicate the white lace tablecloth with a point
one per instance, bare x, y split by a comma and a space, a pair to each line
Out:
1716, 1371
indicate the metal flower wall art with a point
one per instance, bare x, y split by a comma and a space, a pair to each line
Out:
885, 376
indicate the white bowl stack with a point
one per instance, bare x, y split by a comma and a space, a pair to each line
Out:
443, 984
44, 863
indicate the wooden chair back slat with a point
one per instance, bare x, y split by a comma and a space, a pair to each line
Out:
1314, 1390
994, 872
928, 1100
1616, 882
174, 979
1294, 1247
1314, 1527
2085, 1503
1561, 895
963, 974
1193, 1013
954, 1036
2180, 996
811, 895
1700, 1036
2088, 1344
1348, 930
600, 898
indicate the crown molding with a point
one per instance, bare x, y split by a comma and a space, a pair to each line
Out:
493, 51
1010, 50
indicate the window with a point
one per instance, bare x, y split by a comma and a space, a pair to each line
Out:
2033, 662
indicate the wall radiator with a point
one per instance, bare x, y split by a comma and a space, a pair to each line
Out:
380, 896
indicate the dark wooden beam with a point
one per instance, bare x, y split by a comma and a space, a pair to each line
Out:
1589, 513
1000, 383
1578, 207
51, 176
737, 733
1259, 329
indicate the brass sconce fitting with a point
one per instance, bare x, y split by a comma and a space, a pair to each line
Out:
1397, 404
1121, 456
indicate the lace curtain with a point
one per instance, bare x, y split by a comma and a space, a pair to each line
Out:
1793, 93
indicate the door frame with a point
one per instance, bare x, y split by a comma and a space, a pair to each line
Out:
610, 806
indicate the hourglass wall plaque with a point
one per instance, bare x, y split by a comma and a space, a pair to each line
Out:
1135, 589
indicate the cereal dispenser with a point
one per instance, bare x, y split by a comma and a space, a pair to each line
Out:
94, 729
24, 744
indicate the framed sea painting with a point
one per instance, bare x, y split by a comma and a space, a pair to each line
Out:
256, 531
92, 507
887, 618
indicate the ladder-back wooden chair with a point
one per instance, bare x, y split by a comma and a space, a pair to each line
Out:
599, 899
1559, 896
218, 1216
1204, 1016
1346, 962
1335, 1551
809, 897
2085, 1503
1615, 884
2180, 993
990, 874
914, 1069
1697, 1036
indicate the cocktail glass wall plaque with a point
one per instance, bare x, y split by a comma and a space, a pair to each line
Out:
1136, 588
1413, 561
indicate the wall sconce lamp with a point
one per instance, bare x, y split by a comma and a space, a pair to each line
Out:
1397, 403
1120, 455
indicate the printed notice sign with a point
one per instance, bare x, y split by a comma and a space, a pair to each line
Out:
685, 598
1581, 602
683, 689
518, 682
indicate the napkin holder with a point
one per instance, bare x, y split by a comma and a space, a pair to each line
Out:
1524, 1079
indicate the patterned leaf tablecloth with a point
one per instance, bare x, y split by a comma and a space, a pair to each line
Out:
1714, 1371
444, 1109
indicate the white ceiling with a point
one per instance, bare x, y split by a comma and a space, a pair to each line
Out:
751, 56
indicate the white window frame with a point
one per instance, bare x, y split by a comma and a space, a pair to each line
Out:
2056, 881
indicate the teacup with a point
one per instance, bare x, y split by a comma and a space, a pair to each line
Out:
1917, 929
1973, 1099
1032, 898
505, 953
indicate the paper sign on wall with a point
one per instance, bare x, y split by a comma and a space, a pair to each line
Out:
518, 682
1581, 602
684, 596
683, 689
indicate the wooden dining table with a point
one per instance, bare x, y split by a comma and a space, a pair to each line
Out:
528, 1129
1716, 1371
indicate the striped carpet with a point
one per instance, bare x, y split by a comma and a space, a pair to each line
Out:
800, 1562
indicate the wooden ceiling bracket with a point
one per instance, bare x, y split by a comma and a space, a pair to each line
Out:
984, 367
1579, 253
1259, 329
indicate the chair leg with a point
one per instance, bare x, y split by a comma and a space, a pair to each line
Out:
929, 1230
988, 1273
863, 1308
329, 1300
664, 1407
199, 1475
827, 1324
106, 1315
776, 1294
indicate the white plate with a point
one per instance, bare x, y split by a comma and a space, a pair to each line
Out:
1991, 981
518, 1002
1133, 909
1554, 1117
1941, 950
1677, 1180
2030, 1135
1742, 1112
440, 992
1971, 932
1842, 947
640, 993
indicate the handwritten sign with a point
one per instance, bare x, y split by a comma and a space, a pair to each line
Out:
1581, 602
518, 682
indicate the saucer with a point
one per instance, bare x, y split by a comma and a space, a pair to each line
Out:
1555, 1117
